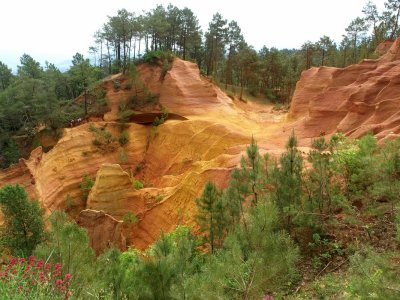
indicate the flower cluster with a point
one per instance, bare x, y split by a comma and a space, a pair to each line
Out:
35, 278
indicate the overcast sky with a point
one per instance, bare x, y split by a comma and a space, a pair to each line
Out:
54, 30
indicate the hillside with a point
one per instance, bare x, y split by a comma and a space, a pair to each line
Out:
203, 140
355, 100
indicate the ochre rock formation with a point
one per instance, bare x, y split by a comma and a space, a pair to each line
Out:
111, 184
204, 140
104, 231
361, 98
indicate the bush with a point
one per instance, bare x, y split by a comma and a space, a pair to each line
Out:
160, 120
154, 57
123, 138
130, 217
68, 243
100, 93
125, 115
165, 68
86, 185
116, 85
103, 138
122, 157
137, 184
34, 279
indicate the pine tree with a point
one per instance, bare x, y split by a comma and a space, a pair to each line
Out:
23, 220
211, 215
287, 181
320, 174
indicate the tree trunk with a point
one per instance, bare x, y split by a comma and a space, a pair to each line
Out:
101, 54
86, 106
109, 58
134, 48
395, 25
184, 47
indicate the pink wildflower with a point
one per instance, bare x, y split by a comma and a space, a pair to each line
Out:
39, 263
59, 282
13, 261
47, 267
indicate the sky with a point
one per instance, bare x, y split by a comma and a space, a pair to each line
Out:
54, 30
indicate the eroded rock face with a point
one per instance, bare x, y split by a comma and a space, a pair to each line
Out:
104, 231
354, 100
112, 183
174, 161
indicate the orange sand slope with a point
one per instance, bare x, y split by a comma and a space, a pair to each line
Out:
360, 98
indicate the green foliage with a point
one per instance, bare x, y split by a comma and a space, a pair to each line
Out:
356, 162
160, 120
103, 139
6, 76
386, 185
157, 56
166, 66
68, 244
257, 259
210, 215
23, 221
9, 152
119, 275
86, 185
371, 275
130, 217
319, 184
137, 184
397, 223
287, 181
116, 85
122, 157
123, 138
172, 261
33, 279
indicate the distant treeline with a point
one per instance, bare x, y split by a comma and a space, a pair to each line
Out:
222, 52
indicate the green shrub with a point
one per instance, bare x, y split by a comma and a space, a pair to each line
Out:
122, 157
100, 93
138, 167
69, 244
165, 68
130, 217
103, 139
125, 115
116, 85
159, 198
86, 185
151, 98
160, 120
123, 138
137, 184
154, 57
